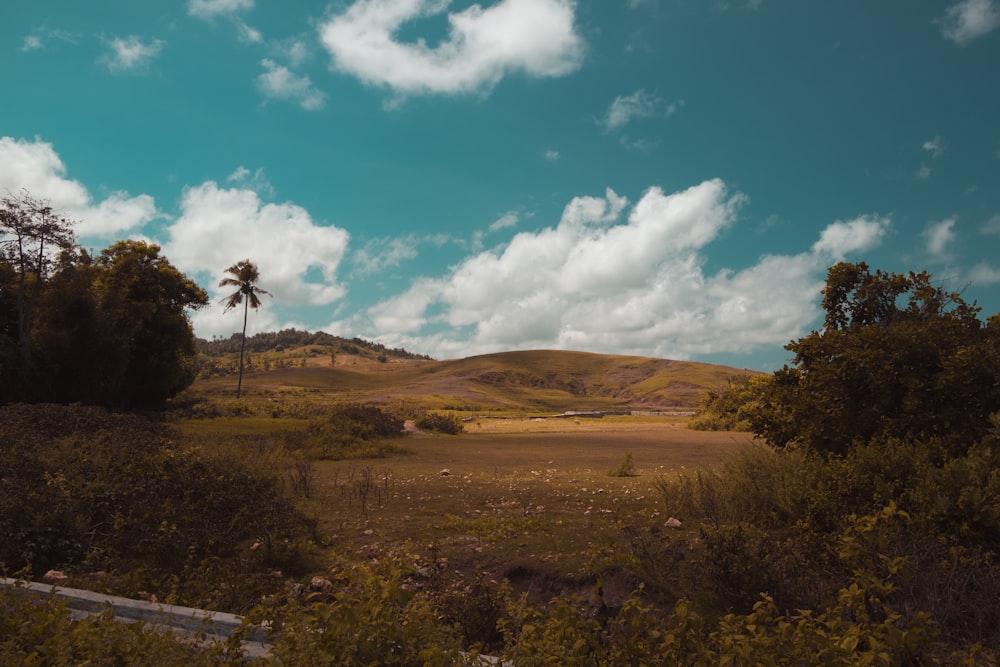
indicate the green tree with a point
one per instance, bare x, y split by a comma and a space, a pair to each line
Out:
31, 236
243, 276
146, 298
898, 356
114, 330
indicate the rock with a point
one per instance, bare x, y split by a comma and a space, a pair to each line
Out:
53, 576
321, 585
673, 523
444, 472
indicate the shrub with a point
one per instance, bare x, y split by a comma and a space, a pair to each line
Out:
625, 469
442, 423
112, 492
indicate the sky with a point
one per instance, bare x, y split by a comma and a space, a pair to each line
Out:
666, 178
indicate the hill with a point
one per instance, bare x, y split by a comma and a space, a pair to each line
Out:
536, 380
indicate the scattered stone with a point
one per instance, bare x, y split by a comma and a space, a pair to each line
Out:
321, 585
673, 523
53, 576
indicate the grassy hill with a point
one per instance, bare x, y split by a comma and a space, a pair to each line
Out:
537, 380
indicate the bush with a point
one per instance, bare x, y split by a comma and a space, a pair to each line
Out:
99, 491
442, 423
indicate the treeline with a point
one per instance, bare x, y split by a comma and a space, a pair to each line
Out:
108, 329
291, 338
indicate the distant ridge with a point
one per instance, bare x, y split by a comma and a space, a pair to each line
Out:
530, 380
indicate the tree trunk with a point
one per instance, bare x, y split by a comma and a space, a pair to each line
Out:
243, 342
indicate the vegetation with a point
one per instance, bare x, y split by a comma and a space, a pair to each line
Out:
731, 408
243, 276
863, 528
897, 358
108, 330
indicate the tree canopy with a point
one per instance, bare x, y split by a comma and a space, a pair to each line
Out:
108, 330
898, 356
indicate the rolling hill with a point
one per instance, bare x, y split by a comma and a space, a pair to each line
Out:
536, 380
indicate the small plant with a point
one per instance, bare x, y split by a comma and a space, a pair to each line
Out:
626, 468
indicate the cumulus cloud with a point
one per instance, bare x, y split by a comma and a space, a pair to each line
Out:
611, 276
280, 83
34, 166
939, 236
131, 54
482, 46
639, 104
841, 238
298, 258
967, 20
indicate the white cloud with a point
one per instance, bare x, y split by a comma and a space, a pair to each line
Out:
939, 237
992, 226
934, 146
377, 255
483, 45
597, 282
31, 43
551, 155
967, 20
923, 173
212, 8
280, 83
984, 274
34, 166
506, 220
298, 259
131, 54
841, 238
293, 51
247, 33
639, 104
255, 180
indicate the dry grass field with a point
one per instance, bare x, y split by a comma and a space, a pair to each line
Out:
531, 500
520, 494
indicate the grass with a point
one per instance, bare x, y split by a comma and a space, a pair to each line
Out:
520, 495
534, 381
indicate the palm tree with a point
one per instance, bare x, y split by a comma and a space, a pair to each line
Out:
243, 276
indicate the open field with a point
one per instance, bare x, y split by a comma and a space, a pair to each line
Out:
522, 498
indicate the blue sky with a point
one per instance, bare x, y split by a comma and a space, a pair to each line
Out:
668, 178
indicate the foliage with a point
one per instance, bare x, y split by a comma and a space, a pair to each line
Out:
111, 330
243, 276
31, 236
102, 492
897, 357
292, 338
730, 408
39, 630
369, 614
440, 422
626, 468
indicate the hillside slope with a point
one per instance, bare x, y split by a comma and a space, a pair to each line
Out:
545, 380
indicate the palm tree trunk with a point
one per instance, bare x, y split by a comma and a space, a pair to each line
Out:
243, 342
